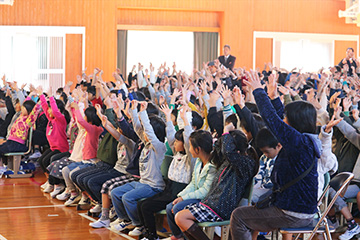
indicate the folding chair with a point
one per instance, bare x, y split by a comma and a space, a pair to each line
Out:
320, 225
210, 226
14, 160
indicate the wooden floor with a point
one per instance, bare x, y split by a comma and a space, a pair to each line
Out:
28, 213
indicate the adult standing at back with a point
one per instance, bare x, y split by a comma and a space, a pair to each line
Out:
227, 60
349, 60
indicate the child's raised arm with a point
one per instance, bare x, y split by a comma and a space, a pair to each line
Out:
30, 120
55, 110
44, 105
170, 129
149, 131
135, 120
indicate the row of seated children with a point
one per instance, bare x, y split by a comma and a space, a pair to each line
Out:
137, 149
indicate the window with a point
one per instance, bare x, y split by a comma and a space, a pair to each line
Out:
35, 54
158, 47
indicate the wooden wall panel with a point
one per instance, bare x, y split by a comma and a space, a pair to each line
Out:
73, 57
237, 19
264, 51
340, 49
167, 18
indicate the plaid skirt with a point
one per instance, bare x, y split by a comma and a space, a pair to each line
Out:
202, 213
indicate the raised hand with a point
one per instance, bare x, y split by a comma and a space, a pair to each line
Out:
332, 123
284, 90
333, 99
74, 105
98, 110
143, 106
214, 96
347, 104
253, 80
272, 86
238, 97
167, 111
134, 104
161, 100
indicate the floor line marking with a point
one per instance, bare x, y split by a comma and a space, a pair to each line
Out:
2, 237
84, 215
29, 207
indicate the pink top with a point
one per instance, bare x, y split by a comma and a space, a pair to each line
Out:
56, 128
20, 128
92, 135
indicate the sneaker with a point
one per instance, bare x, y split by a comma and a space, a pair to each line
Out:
59, 189
84, 205
3, 169
333, 225
350, 233
35, 155
72, 201
112, 213
100, 223
96, 209
122, 226
84, 199
64, 196
49, 188
44, 185
148, 238
137, 231
116, 222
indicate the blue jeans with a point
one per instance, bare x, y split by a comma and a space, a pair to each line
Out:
94, 184
83, 175
340, 203
171, 215
125, 197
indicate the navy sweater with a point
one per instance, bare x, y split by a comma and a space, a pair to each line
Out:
298, 152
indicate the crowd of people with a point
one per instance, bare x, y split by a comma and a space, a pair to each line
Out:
102, 144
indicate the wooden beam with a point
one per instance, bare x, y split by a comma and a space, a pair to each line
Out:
167, 28
169, 9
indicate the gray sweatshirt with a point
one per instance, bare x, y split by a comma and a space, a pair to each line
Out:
153, 153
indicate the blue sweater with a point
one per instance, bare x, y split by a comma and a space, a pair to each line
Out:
296, 156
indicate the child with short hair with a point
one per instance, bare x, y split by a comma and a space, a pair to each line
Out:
270, 147
151, 130
179, 173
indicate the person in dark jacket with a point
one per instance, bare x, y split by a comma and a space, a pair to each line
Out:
227, 60
237, 164
295, 206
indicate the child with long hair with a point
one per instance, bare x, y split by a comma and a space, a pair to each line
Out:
297, 205
20, 130
201, 146
91, 123
56, 134
236, 163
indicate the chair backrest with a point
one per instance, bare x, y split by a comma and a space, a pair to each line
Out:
165, 166
249, 191
30, 140
326, 180
339, 183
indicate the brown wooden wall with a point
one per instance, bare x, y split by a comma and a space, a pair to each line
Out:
235, 19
